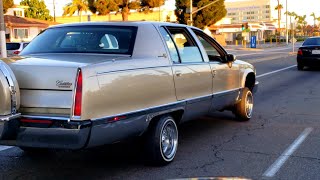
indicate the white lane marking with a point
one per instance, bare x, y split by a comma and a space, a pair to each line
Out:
272, 72
274, 168
2, 148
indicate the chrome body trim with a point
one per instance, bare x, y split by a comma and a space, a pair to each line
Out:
46, 117
12, 88
9, 117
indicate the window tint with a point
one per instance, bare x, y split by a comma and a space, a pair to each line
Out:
13, 46
188, 51
212, 52
311, 41
170, 44
84, 39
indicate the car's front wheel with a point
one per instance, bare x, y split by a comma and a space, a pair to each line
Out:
243, 109
162, 141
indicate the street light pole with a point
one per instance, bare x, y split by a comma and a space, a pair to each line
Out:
54, 11
287, 32
191, 20
2, 33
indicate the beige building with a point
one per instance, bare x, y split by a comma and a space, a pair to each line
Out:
252, 11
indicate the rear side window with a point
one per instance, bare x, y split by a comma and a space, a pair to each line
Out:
13, 46
84, 39
311, 41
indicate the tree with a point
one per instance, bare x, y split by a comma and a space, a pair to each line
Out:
314, 18
152, 3
7, 4
205, 17
279, 7
37, 9
76, 6
104, 7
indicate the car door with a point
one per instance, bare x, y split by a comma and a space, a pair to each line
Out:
192, 75
226, 76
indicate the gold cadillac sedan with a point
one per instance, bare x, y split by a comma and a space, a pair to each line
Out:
83, 85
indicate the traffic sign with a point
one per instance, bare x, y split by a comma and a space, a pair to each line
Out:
293, 40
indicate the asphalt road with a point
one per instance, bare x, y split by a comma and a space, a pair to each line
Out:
281, 141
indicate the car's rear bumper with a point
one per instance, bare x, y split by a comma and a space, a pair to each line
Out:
71, 135
63, 133
309, 61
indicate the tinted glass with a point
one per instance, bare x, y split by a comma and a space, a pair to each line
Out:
170, 44
311, 41
13, 46
188, 51
212, 52
84, 39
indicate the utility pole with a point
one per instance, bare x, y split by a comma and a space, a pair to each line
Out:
191, 19
54, 11
279, 31
287, 32
2, 33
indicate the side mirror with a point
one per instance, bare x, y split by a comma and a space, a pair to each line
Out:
230, 58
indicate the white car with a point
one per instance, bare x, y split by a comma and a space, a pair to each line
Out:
14, 48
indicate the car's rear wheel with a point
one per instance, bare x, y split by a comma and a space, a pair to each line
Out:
300, 66
162, 141
244, 109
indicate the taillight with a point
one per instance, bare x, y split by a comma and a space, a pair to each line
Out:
16, 52
300, 52
78, 95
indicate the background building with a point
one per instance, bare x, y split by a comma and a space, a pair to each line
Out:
252, 11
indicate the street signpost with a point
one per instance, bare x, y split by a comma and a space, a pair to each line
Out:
253, 42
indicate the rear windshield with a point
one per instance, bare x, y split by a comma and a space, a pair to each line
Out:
13, 46
311, 41
84, 39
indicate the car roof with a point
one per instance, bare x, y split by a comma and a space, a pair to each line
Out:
118, 23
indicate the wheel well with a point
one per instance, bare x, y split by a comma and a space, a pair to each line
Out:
250, 81
177, 116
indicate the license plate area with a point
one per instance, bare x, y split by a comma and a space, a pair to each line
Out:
315, 51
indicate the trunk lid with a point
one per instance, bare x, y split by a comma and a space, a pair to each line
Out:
310, 51
47, 81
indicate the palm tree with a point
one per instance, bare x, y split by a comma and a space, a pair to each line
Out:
291, 14
76, 5
279, 7
314, 19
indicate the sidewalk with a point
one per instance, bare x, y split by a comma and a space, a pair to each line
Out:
260, 47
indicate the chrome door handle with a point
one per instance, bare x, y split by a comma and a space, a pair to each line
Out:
178, 73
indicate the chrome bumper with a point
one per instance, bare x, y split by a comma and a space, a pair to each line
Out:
62, 134
8, 125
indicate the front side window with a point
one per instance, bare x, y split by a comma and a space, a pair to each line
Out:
84, 39
188, 51
211, 49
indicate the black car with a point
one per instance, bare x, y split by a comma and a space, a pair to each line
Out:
309, 53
